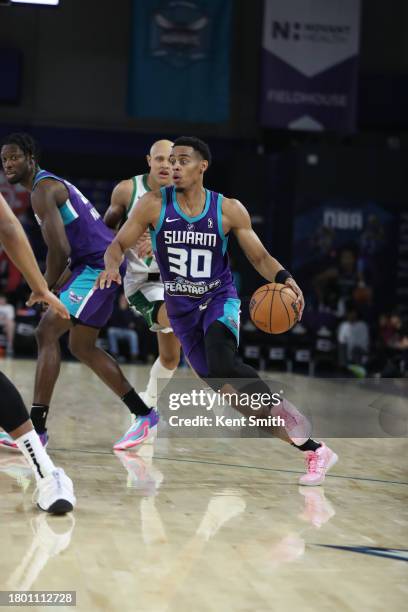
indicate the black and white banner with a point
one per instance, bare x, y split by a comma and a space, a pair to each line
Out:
309, 64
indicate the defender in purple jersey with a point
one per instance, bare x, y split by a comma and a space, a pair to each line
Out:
189, 228
76, 238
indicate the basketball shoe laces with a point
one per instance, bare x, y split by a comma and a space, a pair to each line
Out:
314, 462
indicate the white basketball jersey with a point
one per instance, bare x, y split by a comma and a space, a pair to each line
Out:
136, 265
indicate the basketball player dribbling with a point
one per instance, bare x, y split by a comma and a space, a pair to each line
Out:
76, 238
142, 284
191, 226
55, 492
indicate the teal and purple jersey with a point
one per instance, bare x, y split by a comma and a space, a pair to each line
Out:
87, 234
89, 238
199, 289
192, 254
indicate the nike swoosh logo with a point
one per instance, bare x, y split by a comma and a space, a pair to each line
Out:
171, 220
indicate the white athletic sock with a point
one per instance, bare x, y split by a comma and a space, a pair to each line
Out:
158, 371
36, 455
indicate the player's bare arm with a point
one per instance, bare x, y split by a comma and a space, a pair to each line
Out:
144, 214
235, 218
18, 248
116, 214
144, 247
45, 200
120, 201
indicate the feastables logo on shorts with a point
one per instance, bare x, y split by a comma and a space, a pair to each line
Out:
181, 286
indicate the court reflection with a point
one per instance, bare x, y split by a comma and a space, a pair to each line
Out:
178, 537
51, 536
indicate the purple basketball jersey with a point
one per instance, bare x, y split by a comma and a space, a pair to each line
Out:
87, 234
192, 254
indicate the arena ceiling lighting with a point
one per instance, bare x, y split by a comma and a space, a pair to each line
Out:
42, 2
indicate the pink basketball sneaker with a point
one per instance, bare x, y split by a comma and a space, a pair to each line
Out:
318, 462
7, 441
138, 432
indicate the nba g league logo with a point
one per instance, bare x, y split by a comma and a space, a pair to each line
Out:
180, 33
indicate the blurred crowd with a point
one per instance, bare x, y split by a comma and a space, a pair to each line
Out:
346, 329
346, 301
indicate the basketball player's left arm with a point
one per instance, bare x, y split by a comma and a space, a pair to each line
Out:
45, 199
144, 214
120, 200
235, 218
16, 245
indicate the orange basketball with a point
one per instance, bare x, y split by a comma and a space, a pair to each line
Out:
272, 308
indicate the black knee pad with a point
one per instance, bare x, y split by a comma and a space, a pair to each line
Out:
220, 349
13, 412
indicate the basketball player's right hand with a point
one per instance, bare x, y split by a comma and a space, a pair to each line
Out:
107, 277
144, 246
46, 297
300, 302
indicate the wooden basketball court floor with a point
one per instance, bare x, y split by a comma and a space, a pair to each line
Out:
193, 525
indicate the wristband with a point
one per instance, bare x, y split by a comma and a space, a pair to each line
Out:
282, 276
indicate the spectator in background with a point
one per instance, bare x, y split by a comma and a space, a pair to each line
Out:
323, 241
386, 330
374, 252
354, 342
7, 322
372, 239
392, 357
345, 279
122, 327
10, 277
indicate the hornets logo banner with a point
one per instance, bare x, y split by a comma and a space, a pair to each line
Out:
180, 64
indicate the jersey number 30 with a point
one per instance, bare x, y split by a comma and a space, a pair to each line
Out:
200, 262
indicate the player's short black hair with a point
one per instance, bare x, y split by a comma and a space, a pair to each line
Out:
195, 143
25, 142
